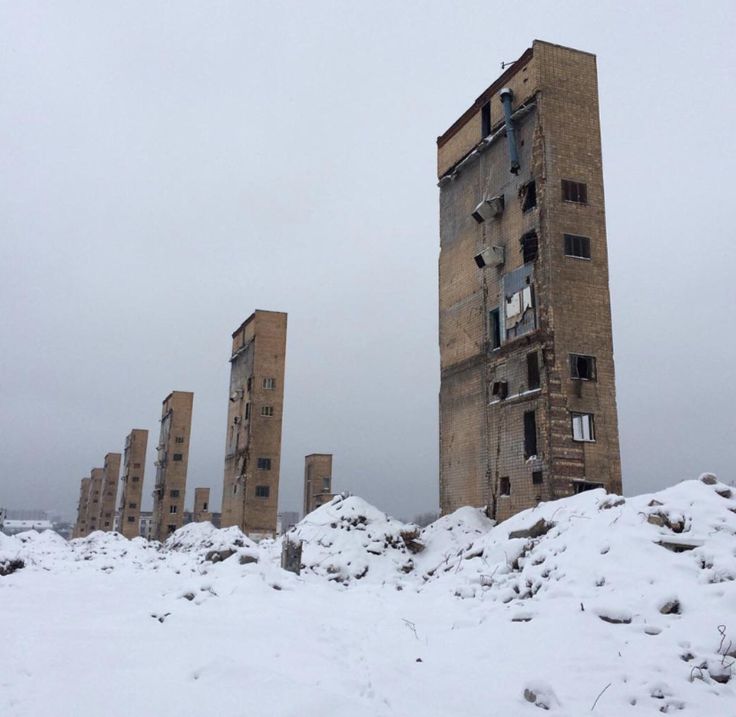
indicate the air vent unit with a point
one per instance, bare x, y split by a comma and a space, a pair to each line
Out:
488, 209
491, 256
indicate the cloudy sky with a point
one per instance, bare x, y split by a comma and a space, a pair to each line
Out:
168, 167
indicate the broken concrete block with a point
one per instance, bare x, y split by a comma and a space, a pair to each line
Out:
217, 556
708, 479
541, 527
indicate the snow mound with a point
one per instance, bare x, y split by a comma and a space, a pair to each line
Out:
349, 539
208, 543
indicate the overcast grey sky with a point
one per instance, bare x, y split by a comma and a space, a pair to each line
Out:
168, 167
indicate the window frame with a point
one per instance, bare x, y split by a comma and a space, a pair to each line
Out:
572, 187
574, 373
580, 436
570, 240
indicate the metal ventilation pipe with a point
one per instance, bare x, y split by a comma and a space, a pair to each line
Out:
506, 96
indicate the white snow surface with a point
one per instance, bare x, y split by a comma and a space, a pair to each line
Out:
610, 607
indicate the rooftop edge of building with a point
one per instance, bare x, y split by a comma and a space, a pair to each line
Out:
253, 315
498, 84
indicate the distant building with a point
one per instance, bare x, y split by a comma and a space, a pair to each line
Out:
12, 527
171, 463
255, 412
145, 525
131, 491
527, 390
202, 512
317, 481
80, 527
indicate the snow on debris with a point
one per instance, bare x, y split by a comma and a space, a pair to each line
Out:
589, 604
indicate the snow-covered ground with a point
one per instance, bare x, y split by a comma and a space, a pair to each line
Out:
589, 605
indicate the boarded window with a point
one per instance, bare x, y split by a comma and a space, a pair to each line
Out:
532, 370
577, 246
264, 464
504, 486
574, 192
582, 427
582, 367
530, 434
263, 491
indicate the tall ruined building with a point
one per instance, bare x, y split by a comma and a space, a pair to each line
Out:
134, 464
80, 527
172, 459
110, 475
317, 480
527, 395
255, 411
94, 501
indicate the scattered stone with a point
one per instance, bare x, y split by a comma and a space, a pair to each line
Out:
188, 596
217, 556
724, 492
654, 502
540, 528
671, 607
8, 567
621, 620
708, 479
245, 559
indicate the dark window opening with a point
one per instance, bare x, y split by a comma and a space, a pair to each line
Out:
582, 367
581, 486
574, 192
247, 411
528, 196
485, 120
537, 477
172, 509
500, 389
505, 486
250, 383
204, 506
135, 479
577, 246
180, 439
171, 528
532, 370
136, 465
131, 519
132, 505
264, 464
529, 247
178, 456
530, 434
495, 319
263, 491
174, 493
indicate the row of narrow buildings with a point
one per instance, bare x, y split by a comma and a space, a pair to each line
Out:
527, 403
252, 465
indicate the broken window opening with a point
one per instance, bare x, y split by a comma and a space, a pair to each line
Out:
485, 120
532, 371
530, 434
574, 192
582, 367
528, 194
582, 427
529, 246
500, 389
264, 464
504, 486
171, 528
537, 477
577, 246
495, 329
580, 486
204, 506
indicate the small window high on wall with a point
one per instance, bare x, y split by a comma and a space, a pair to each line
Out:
574, 192
582, 427
485, 120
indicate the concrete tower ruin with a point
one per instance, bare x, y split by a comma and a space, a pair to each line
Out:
317, 480
171, 464
527, 394
80, 527
134, 465
110, 475
255, 410
202, 512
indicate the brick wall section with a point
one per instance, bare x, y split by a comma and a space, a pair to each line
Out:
171, 464
131, 490
482, 436
317, 480
254, 422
